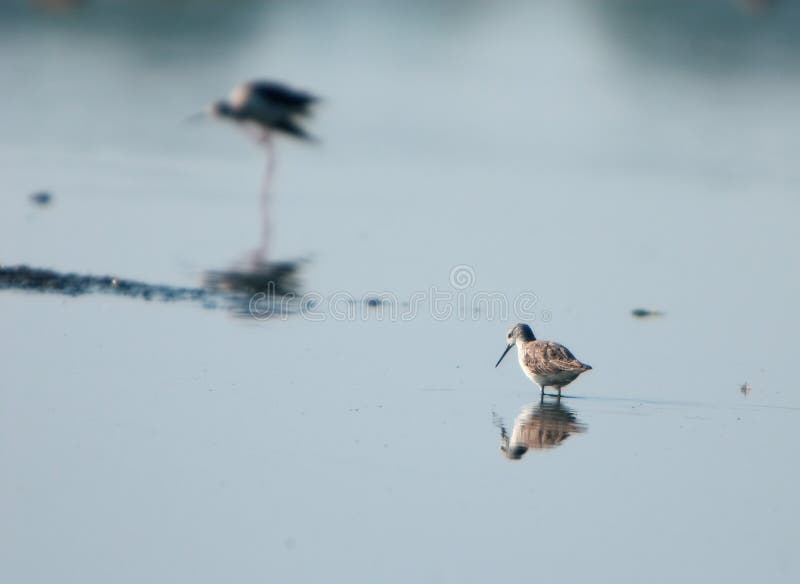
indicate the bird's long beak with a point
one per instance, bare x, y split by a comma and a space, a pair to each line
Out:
195, 117
508, 348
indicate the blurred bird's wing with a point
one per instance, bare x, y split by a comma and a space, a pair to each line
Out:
297, 102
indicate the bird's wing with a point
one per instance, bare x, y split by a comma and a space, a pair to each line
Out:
549, 358
296, 101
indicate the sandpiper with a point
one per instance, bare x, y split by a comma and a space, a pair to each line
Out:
546, 363
266, 107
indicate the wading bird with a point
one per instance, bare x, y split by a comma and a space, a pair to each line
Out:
266, 107
546, 363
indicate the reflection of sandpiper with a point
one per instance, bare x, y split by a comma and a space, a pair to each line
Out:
266, 107
540, 425
546, 363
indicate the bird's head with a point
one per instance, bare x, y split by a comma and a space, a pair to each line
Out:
519, 331
515, 452
220, 108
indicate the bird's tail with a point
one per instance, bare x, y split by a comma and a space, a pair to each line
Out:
292, 128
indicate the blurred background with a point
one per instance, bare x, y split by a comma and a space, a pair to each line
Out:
605, 156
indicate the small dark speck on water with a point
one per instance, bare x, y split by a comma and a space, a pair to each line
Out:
645, 313
41, 198
745, 389
373, 302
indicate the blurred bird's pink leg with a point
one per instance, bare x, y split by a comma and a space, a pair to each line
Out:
263, 250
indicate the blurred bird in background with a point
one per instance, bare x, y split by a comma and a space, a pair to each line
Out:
265, 108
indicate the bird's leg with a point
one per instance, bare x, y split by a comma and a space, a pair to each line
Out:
559, 393
541, 390
263, 249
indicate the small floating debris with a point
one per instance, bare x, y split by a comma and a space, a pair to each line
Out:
645, 313
745, 389
41, 198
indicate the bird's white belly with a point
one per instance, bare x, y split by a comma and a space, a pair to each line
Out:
544, 379
537, 379
561, 378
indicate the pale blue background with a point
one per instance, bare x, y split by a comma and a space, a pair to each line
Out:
604, 157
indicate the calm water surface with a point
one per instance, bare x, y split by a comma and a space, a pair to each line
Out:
558, 149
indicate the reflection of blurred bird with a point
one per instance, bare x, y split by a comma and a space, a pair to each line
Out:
542, 425
745, 389
546, 363
266, 107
